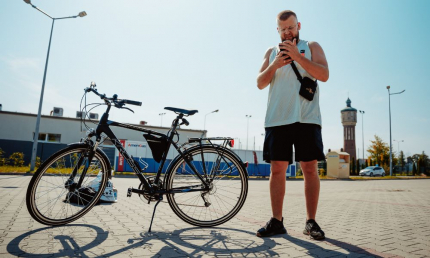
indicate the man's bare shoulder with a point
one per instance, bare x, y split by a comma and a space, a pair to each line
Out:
313, 45
268, 52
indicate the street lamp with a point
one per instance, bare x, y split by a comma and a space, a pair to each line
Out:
247, 130
36, 133
398, 145
204, 126
362, 128
389, 111
161, 114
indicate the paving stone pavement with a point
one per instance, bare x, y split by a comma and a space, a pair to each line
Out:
374, 218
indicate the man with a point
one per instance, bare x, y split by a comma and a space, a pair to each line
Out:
292, 120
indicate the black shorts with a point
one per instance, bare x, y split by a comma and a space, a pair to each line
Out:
306, 138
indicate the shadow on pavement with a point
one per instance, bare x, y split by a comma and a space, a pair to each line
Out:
75, 240
318, 250
70, 240
195, 242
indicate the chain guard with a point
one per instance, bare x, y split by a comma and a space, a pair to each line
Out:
148, 197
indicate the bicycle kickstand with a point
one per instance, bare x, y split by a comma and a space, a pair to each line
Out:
155, 207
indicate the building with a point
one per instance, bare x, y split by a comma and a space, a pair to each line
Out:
349, 120
56, 132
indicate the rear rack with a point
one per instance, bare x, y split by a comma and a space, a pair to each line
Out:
227, 140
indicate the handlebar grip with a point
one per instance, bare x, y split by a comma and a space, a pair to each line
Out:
132, 102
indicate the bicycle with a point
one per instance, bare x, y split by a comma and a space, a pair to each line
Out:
206, 184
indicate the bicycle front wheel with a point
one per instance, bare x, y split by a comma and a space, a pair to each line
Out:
226, 176
53, 195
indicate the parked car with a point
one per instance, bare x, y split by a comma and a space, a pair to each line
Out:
372, 171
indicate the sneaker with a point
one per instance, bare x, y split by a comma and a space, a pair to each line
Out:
313, 229
273, 227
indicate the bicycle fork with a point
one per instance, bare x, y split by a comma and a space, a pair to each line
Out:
89, 155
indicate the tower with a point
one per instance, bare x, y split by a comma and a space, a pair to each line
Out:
349, 120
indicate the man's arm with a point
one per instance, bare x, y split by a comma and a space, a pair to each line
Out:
317, 67
267, 70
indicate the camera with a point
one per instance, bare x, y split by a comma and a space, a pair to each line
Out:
281, 49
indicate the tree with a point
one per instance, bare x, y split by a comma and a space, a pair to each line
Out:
414, 170
379, 152
358, 166
352, 166
422, 162
402, 159
366, 164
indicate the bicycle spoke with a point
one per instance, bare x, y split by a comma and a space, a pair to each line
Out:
226, 181
52, 200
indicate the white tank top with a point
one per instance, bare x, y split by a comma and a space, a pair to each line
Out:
285, 105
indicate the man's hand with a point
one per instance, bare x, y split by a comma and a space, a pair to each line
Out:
290, 47
281, 60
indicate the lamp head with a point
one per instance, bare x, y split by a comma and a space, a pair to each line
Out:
215, 111
27, 1
388, 87
81, 14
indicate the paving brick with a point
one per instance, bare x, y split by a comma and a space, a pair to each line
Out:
361, 219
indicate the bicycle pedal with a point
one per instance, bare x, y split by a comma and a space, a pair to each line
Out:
129, 192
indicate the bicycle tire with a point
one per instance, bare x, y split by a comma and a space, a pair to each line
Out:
231, 172
55, 170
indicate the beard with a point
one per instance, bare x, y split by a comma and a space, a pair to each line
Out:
296, 37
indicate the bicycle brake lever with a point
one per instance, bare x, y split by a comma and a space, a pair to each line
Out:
128, 109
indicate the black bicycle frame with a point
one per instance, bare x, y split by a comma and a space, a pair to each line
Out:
103, 127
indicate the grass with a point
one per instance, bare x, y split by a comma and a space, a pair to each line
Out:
12, 169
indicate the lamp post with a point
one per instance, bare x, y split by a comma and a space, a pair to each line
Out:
389, 111
398, 146
161, 115
36, 131
362, 129
247, 130
204, 125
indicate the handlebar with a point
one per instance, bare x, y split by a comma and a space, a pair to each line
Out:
118, 102
132, 102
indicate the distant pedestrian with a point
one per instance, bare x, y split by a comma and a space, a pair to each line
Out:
293, 119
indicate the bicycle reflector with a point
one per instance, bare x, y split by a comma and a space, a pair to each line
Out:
231, 143
246, 164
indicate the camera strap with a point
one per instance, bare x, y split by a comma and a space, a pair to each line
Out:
299, 76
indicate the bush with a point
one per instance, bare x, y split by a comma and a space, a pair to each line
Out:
322, 172
17, 159
299, 172
3, 161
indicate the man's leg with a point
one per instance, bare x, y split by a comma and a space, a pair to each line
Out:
275, 225
277, 186
312, 192
312, 187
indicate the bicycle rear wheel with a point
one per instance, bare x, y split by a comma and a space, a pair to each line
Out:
53, 197
228, 181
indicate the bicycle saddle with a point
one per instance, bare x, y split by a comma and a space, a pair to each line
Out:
183, 111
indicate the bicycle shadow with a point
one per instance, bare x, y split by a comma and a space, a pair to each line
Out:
80, 239
198, 242
228, 242
70, 240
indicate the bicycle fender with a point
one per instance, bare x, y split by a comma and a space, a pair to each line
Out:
233, 154
198, 147
100, 151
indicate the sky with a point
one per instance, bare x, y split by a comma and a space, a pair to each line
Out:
206, 55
